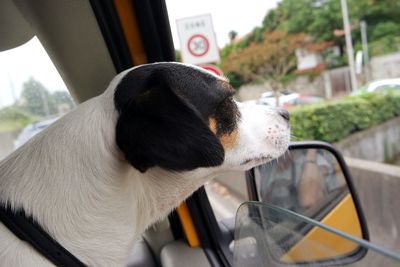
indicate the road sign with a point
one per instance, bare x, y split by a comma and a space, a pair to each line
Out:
198, 45
213, 69
197, 40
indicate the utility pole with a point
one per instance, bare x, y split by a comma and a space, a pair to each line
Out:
364, 40
10, 81
349, 45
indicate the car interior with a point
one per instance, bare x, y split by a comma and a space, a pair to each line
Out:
90, 42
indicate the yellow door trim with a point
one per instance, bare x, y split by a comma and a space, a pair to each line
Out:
127, 18
188, 226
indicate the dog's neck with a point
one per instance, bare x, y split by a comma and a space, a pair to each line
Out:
96, 211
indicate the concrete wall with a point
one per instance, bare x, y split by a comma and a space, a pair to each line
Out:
378, 187
387, 66
376, 144
250, 92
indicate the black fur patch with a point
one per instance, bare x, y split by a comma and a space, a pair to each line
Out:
163, 117
227, 116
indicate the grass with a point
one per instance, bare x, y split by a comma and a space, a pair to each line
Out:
13, 118
9, 126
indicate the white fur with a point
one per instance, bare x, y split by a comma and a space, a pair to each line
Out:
263, 135
74, 181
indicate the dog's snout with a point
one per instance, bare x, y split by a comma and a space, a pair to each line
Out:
284, 113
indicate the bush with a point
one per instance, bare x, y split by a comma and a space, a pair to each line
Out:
335, 120
12, 118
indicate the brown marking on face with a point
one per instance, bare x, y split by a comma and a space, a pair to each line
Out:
223, 122
229, 140
212, 124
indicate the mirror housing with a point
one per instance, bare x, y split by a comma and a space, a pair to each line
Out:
313, 180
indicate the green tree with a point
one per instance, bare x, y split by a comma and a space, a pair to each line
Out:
63, 97
232, 35
178, 55
271, 59
36, 99
320, 18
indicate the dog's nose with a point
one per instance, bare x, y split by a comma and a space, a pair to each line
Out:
284, 113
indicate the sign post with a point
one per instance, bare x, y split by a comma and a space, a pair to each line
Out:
197, 40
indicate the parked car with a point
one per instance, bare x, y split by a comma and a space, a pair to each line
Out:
302, 100
268, 98
378, 86
31, 130
288, 99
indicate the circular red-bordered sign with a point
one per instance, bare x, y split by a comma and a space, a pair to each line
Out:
213, 69
198, 45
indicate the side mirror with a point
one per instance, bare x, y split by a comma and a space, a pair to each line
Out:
313, 181
266, 235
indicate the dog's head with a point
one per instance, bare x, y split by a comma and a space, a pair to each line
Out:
180, 117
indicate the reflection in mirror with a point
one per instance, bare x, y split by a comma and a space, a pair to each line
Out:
266, 235
301, 180
310, 182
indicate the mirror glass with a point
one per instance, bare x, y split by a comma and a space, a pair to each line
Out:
266, 235
309, 182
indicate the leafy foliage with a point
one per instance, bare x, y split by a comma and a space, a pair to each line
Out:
320, 18
62, 97
35, 102
12, 118
333, 121
38, 101
272, 58
232, 35
36, 98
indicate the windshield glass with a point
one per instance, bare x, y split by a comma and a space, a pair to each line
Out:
265, 236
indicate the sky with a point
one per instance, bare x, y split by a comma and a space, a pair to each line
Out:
19, 64
31, 60
227, 15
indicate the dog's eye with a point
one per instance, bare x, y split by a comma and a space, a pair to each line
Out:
227, 116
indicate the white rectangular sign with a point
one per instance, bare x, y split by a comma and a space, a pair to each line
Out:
197, 39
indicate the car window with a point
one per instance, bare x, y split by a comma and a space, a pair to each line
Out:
295, 54
32, 95
225, 193
387, 87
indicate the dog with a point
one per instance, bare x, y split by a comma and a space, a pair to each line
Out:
98, 177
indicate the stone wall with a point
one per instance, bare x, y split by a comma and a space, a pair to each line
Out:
387, 66
378, 144
377, 186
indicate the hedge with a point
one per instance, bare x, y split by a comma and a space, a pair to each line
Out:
335, 120
12, 118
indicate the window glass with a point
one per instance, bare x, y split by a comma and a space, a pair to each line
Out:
296, 54
226, 193
32, 95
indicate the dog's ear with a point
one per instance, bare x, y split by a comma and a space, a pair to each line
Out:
163, 117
